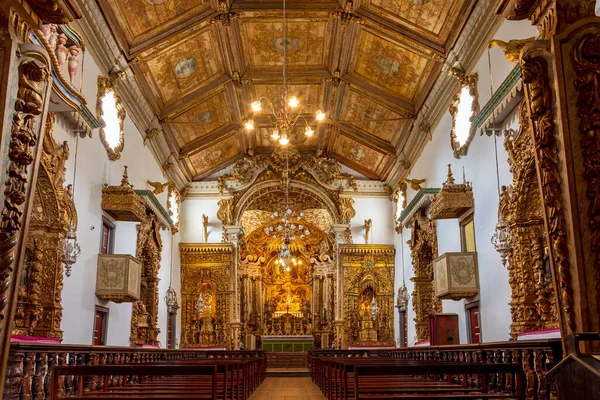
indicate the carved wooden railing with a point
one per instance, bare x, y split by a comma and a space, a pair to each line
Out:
30, 365
536, 358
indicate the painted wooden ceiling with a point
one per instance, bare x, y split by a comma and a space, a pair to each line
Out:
369, 65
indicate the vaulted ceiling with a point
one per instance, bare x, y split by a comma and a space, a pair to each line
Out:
369, 65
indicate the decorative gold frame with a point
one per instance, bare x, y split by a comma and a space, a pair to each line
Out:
106, 85
469, 81
175, 223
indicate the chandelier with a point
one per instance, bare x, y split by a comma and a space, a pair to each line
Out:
70, 247
285, 113
171, 295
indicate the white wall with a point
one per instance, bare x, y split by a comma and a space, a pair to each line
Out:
94, 169
480, 169
191, 229
381, 213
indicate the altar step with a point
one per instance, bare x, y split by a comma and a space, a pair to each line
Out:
288, 372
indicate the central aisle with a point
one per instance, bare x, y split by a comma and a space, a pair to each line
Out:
293, 388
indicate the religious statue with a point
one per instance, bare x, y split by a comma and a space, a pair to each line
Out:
368, 224
61, 49
205, 227
73, 63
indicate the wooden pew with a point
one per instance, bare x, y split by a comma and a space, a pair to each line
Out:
372, 380
203, 386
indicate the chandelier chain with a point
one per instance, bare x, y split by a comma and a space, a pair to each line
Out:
494, 121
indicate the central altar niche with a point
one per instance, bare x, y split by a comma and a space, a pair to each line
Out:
288, 298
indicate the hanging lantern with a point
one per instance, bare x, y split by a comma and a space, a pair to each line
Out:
403, 297
71, 249
502, 239
171, 300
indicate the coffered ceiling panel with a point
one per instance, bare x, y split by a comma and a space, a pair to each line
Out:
182, 64
202, 119
367, 64
371, 116
307, 42
394, 67
213, 156
141, 19
433, 19
358, 156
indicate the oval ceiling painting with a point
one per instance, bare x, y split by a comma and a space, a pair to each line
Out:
185, 67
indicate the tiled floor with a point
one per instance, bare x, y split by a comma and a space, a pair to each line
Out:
299, 388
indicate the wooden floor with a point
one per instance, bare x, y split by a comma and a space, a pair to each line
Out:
296, 388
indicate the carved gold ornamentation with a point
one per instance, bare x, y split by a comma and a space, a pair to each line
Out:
453, 199
206, 270
31, 93
538, 94
148, 251
368, 272
368, 224
106, 86
118, 278
533, 302
55, 11
38, 308
468, 82
512, 48
347, 211
424, 250
122, 203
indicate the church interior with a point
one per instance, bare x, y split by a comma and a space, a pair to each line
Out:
306, 199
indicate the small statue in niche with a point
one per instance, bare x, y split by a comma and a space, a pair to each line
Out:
73, 63
61, 49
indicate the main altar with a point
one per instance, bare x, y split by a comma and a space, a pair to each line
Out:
311, 287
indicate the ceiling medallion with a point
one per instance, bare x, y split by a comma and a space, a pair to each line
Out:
286, 112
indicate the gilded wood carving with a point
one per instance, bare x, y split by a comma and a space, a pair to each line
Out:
533, 302
424, 249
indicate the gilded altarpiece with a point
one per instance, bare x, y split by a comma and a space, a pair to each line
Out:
368, 279
144, 314
39, 310
533, 303
424, 249
206, 271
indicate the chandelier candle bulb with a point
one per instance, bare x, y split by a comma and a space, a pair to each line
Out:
256, 107
320, 115
249, 124
284, 140
308, 131
293, 102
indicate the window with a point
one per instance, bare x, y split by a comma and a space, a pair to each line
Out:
110, 113
173, 207
464, 108
473, 327
107, 238
100, 326
400, 203
467, 234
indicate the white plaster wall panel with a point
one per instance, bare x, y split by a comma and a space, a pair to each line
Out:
480, 169
191, 229
381, 213
94, 170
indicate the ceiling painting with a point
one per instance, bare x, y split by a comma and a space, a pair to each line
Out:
433, 18
213, 156
306, 43
395, 68
202, 119
370, 116
138, 19
359, 156
178, 67
202, 63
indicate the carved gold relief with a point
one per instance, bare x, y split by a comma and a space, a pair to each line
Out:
148, 251
424, 250
533, 303
122, 203
38, 309
453, 199
368, 273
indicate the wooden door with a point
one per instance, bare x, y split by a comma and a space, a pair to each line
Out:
474, 324
169, 331
403, 329
99, 328
105, 239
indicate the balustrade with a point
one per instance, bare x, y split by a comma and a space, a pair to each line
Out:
30, 365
